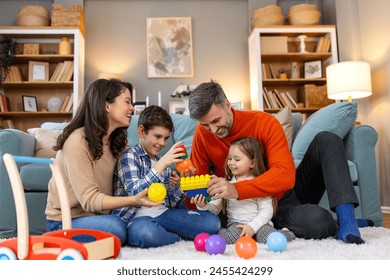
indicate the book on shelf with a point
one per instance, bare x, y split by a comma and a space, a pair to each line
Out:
56, 71
281, 102
286, 100
292, 100
14, 74
323, 45
266, 103
271, 99
64, 103
69, 106
68, 73
6, 123
5, 105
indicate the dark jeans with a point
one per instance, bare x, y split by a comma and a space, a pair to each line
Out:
324, 167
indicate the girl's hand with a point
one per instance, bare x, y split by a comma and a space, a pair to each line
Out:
199, 200
246, 230
174, 179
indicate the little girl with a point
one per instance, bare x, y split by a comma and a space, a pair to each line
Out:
248, 217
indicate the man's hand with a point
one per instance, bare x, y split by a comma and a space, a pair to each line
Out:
220, 188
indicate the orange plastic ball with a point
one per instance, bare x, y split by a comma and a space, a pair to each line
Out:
184, 165
246, 247
157, 192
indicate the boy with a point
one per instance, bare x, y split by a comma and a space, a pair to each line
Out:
138, 168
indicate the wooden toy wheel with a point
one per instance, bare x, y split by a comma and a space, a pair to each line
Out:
6, 254
70, 255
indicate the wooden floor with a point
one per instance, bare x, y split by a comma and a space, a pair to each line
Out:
386, 220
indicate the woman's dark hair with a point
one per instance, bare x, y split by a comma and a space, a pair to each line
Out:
253, 150
92, 116
153, 116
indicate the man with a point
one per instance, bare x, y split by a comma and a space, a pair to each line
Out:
324, 167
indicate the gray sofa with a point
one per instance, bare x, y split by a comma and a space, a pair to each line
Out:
359, 143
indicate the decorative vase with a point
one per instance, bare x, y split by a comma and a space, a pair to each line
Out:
64, 47
54, 104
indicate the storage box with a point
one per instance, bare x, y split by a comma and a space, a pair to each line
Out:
273, 44
313, 96
72, 17
31, 49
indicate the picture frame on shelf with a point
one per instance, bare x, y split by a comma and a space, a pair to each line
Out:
177, 107
139, 107
236, 105
312, 69
29, 103
38, 71
169, 47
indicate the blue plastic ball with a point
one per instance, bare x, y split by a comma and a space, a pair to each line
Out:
215, 245
277, 242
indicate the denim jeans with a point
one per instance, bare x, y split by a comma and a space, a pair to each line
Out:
170, 227
107, 223
324, 167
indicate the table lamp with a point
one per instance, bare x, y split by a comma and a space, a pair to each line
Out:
109, 76
349, 80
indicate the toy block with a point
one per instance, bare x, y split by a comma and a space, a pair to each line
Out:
194, 185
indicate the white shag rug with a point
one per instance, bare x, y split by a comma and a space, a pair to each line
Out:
377, 247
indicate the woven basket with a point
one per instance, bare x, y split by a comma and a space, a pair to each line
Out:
33, 16
72, 17
269, 15
304, 14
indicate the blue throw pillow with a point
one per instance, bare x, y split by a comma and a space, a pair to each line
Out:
338, 118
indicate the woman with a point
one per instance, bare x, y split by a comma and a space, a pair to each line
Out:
87, 153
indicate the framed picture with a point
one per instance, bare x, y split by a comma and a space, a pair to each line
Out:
169, 47
29, 103
313, 69
139, 107
236, 105
177, 107
38, 71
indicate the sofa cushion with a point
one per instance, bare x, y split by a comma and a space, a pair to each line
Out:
35, 176
45, 139
338, 118
284, 116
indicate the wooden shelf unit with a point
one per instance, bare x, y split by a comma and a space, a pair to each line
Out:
258, 59
48, 39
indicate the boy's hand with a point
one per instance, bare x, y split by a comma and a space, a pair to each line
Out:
246, 230
199, 200
174, 179
171, 157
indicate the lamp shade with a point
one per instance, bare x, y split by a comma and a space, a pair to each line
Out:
349, 80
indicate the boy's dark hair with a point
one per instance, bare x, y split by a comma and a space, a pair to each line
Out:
153, 116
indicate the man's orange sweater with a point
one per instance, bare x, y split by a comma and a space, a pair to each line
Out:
209, 152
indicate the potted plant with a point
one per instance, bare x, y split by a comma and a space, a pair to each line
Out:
7, 52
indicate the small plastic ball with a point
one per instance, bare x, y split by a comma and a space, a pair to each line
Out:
200, 241
215, 245
157, 192
246, 247
277, 242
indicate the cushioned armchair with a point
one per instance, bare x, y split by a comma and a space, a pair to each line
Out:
339, 118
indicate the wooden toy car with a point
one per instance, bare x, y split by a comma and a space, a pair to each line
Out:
60, 244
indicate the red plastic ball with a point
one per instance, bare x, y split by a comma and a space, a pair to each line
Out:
200, 241
246, 247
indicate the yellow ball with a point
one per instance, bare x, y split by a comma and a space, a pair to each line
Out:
157, 192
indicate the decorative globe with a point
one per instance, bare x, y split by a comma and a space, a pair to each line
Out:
54, 104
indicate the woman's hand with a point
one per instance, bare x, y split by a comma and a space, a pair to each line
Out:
141, 199
199, 200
